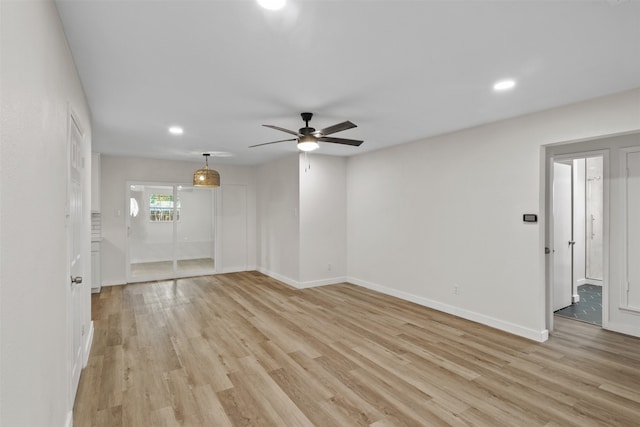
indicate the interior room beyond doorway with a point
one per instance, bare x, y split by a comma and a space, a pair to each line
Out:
170, 231
578, 238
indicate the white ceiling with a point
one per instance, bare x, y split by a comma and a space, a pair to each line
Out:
400, 70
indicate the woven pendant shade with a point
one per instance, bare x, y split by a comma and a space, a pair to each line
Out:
206, 177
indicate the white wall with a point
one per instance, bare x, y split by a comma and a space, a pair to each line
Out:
39, 84
278, 249
235, 232
116, 171
323, 220
445, 211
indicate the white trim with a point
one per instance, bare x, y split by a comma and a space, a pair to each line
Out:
575, 298
321, 282
552, 157
596, 282
630, 309
302, 285
623, 329
119, 282
279, 277
532, 334
624, 190
236, 269
87, 345
69, 421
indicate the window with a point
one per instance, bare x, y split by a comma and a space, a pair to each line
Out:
161, 208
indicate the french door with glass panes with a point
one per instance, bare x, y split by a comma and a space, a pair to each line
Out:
170, 231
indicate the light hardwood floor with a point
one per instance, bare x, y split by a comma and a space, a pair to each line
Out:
151, 269
245, 350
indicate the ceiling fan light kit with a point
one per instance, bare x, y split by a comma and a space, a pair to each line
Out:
308, 137
206, 177
308, 143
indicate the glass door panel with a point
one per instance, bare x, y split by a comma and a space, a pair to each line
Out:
195, 251
151, 230
170, 231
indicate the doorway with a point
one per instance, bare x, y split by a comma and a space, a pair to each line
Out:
75, 235
578, 217
170, 231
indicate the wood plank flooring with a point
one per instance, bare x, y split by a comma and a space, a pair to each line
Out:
243, 349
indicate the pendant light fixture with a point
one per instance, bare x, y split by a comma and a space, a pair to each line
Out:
206, 177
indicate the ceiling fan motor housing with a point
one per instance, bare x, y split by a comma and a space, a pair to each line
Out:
307, 131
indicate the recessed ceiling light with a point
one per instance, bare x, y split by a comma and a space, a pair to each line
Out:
176, 130
504, 85
272, 4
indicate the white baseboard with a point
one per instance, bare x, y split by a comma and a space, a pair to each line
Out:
575, 298
226, 270
279, 277
88, 342
114, 282
623, 329
581, 282
69, 421
321, 282
532, 334
302, 285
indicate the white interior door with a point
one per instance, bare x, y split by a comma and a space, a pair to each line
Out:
633, 230
74, 238
562, 235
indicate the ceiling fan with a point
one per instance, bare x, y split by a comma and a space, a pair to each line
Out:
308, 137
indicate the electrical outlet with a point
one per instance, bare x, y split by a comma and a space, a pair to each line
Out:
456, 289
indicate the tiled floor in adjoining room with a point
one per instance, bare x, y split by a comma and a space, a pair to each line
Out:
589, 308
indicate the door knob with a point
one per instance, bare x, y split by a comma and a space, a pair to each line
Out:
76, 280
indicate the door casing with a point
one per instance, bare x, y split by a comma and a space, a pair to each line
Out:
605, 234
75, 249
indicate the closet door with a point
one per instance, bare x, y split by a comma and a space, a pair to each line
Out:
633, 229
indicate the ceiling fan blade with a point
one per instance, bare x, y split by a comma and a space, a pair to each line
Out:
337, 128
344, 141
274, 142
282, 129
